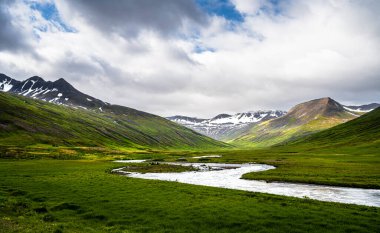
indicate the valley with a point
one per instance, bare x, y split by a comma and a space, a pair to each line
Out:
80, 196
57, 160
189, 116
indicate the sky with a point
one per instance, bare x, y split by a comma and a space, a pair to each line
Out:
198, 57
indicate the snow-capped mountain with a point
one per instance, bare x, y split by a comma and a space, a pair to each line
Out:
58, 92
225, 126
362, 108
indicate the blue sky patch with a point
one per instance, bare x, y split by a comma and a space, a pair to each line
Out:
49, 12
223, 8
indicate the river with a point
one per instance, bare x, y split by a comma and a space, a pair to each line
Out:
229, 176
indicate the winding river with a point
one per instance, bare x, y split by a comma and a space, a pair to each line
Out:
228, 176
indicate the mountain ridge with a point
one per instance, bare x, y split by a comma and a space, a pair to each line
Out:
36, 111
225, 126
363, 131
301, 120
58, 92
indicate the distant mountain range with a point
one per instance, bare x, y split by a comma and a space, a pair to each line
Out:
362, 108
301, 120
35, 112
225, 126
267, 128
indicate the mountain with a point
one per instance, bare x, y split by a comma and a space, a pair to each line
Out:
302, 120
363, 131
38, 112
225, 126
363, 108
58, 92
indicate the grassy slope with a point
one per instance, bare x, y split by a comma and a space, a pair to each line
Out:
26, 122
360, 132
265, 135
345, 155
80, 196
301, 120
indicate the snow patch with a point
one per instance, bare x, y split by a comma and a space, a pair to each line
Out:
6, 84
54, 100
47, 91
353, 114
22, 88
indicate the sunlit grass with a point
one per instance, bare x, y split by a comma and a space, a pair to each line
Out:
82, 196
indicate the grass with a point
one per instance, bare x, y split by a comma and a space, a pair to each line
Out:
345, 155
362, 132
339, 166
82, 196
327, 168
25, 122
265, 135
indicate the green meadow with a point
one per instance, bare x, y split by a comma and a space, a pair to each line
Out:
52, 181
82, 196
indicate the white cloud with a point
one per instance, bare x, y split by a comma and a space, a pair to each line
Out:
248, 6
309, 49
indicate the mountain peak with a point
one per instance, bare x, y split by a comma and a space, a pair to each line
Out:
223, 115
35, 78
311, 110
61, 80
317, 104
63, 84
327, 100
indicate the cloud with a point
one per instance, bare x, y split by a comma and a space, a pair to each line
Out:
129, 18
11, 39
190, 61
248, 6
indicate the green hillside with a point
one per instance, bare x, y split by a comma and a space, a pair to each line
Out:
28, 122
345, 155
363, 131
302, 120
